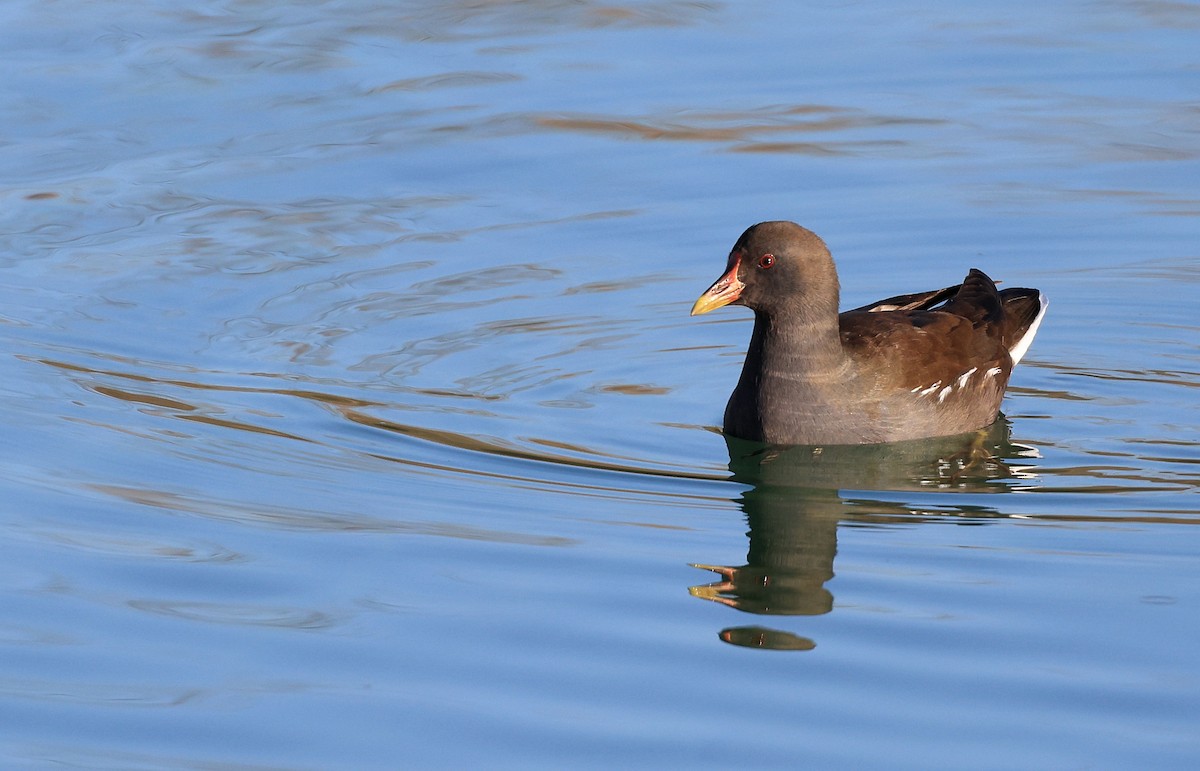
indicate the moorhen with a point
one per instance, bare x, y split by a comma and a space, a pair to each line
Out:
928, 364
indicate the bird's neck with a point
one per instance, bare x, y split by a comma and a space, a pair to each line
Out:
792, 364
796, 344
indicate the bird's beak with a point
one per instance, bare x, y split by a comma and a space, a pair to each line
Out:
726, 289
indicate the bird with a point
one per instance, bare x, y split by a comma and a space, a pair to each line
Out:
933, 363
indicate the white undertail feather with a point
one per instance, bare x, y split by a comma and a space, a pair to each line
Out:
1021, 346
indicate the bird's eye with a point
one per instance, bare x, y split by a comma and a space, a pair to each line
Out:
766, 261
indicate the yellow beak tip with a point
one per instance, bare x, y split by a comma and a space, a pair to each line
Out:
705, 304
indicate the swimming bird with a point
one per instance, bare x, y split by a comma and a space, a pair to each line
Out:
927, 364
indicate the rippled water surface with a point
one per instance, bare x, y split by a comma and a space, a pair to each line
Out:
354, 418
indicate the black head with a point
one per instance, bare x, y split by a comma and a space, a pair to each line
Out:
774, 267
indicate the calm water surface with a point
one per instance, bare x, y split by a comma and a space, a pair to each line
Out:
353, 416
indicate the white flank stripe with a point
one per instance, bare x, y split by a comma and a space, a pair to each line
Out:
962, 379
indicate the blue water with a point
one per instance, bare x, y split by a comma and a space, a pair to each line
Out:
354, 417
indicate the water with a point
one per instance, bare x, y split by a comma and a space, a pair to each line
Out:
354, 417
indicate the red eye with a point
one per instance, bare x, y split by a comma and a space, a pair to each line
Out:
766, 261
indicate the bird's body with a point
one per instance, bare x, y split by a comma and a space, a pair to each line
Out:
928, 364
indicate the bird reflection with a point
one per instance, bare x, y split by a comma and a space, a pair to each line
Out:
797, 497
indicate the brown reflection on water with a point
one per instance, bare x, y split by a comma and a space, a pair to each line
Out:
798, 497
294, 518
184, 411
359, 412
1167, 13
746, 131
446, 80
635, 389
471, 20
312, 395
1131, 465
795, 504
1150, 201
1136, 456
768, 639
1187, 379
589, 459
